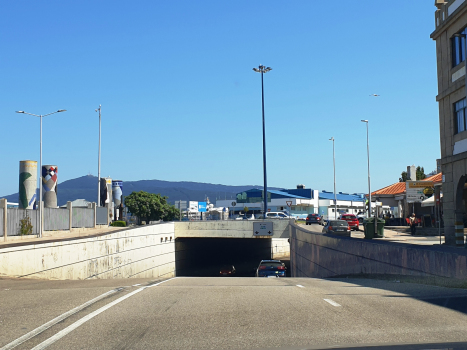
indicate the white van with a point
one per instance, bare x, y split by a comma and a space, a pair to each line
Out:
276, 215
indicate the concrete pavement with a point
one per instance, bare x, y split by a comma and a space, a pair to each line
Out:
231, 313
389, 235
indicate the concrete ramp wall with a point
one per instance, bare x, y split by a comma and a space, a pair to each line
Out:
321, 256
147, 251
226, 229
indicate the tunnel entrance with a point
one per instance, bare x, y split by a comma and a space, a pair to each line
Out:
204, 257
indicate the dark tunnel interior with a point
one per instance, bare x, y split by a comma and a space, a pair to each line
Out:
204, 257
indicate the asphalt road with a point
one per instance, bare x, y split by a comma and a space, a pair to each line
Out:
230, 313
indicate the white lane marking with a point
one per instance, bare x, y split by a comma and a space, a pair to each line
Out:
136, 285
81, 321
49, 324
300, 286
153, 285
332, 302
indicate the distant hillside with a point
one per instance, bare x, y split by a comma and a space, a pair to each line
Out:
85, 187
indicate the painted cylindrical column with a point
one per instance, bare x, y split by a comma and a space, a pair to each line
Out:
49, 185
117, 187
117, 192
27, 183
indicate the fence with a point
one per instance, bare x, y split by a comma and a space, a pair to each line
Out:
82, 217
56, 219
14, 217
101, 216
1, 222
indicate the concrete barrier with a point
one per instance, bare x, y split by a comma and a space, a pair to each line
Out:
147, 252
227, 229
318, 255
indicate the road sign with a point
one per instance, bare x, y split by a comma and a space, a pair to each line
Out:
202, 207
289, 203
234, 204
262, 229
416, 190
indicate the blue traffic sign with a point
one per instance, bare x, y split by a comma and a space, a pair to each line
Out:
202, 207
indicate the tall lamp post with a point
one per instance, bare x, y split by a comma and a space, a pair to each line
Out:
99, 162
262, 69
40, 163
334, 165
369, 184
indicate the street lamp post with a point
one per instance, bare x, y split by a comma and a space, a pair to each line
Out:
334, 165
99, 162
369, 183
40, 163
262, 69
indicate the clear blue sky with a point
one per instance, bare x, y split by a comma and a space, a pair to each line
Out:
180, 100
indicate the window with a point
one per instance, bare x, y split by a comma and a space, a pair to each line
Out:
458, 48
459, 108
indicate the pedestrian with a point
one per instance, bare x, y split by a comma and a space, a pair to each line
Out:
413, 223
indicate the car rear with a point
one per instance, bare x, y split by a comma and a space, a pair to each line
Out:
271, 268
227, 270
339, 227
352, 220
313, 219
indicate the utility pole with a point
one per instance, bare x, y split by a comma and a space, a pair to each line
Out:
99, 162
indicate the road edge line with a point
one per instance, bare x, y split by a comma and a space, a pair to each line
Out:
56, 320
86, 318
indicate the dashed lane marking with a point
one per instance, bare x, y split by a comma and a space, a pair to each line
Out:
332, 302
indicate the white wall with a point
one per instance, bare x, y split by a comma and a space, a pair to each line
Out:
145, 251
227, 229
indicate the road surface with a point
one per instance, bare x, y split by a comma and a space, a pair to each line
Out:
227, 313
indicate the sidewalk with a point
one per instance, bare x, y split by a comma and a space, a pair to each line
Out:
51, 236
402, 237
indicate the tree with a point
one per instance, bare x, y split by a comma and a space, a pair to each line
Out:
420, 174
403, 177
172, 214
147, 206
151, 207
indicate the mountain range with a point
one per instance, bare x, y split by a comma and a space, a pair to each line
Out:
85, 187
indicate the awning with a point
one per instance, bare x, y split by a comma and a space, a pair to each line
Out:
429, 202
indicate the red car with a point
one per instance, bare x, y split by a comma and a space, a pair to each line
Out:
352, 220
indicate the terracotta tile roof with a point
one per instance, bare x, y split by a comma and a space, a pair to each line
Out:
399, 187
435, 178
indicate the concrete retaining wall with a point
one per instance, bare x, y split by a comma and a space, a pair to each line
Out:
317, 255
147, 252
280, 248
226, 229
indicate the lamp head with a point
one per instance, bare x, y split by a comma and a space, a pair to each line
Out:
61, 110
19, 111
364, 121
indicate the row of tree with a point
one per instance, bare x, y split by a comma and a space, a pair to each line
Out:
151, 207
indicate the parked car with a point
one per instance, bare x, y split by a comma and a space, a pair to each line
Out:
352, 220
338, 227
270, 268
276, 215
313, 219
227, 270
361, 216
